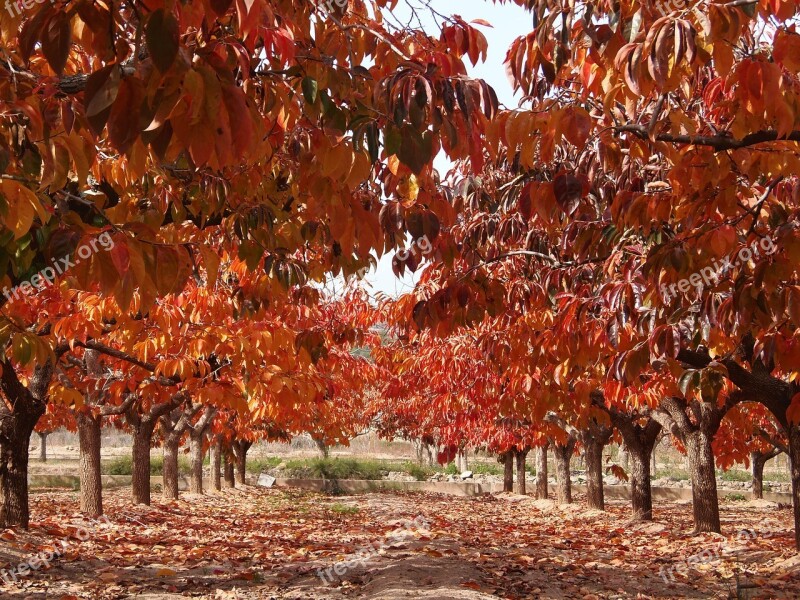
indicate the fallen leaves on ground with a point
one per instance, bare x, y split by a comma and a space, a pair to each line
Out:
257, 543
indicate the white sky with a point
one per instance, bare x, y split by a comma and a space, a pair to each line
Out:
509, 22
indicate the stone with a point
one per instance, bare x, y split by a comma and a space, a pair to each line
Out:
265, 480
466, 475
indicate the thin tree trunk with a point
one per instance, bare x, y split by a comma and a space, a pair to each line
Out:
196, 454
91, 494
653, 466
521, 456
170, 473
240, 448
563, 454
216, 463
541, 472
140, 481
704, 482
622, 456
230, 480
593, 454
508, 471
43, 446
324, 451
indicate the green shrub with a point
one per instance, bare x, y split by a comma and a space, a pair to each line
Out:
451, 469
674, 472
258, 465
735, 475
344, 509
123, 465
336, 468
486, 468
418, 472
736, 497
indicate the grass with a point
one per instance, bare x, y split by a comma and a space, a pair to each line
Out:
735, 475
348, 468
257, 465
674, 472
736, 497
486, 468
123, 465
344, 509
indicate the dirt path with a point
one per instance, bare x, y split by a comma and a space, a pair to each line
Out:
259, 544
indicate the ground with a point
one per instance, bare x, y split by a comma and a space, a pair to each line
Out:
258, 543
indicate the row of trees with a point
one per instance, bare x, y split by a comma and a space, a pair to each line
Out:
625, 257
237, 154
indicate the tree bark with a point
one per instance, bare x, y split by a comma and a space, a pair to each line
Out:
593, 455
563, 454
622, 457
91, 494
216, 463
43, 446
521, 455
240, 448
594, 437
196, 454
508, 471
230, 481
170, 473
324, 451
14, 472
639, 435
705, 504
20, 410
140, 480
757, 462
794, 465
541, 472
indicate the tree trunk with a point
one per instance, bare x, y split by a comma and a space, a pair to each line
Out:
622, 457
240, 448
593, 454
641, 490
563, 454
196, 453
508, 471
520, 456
43, 446
216, 463
541, 472
91, 494
705, 504
170, 473
14, 471
794, 465
20, 410
140, 482
653, 466
230, 481
324, 451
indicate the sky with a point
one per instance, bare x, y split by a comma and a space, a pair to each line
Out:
509, 22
